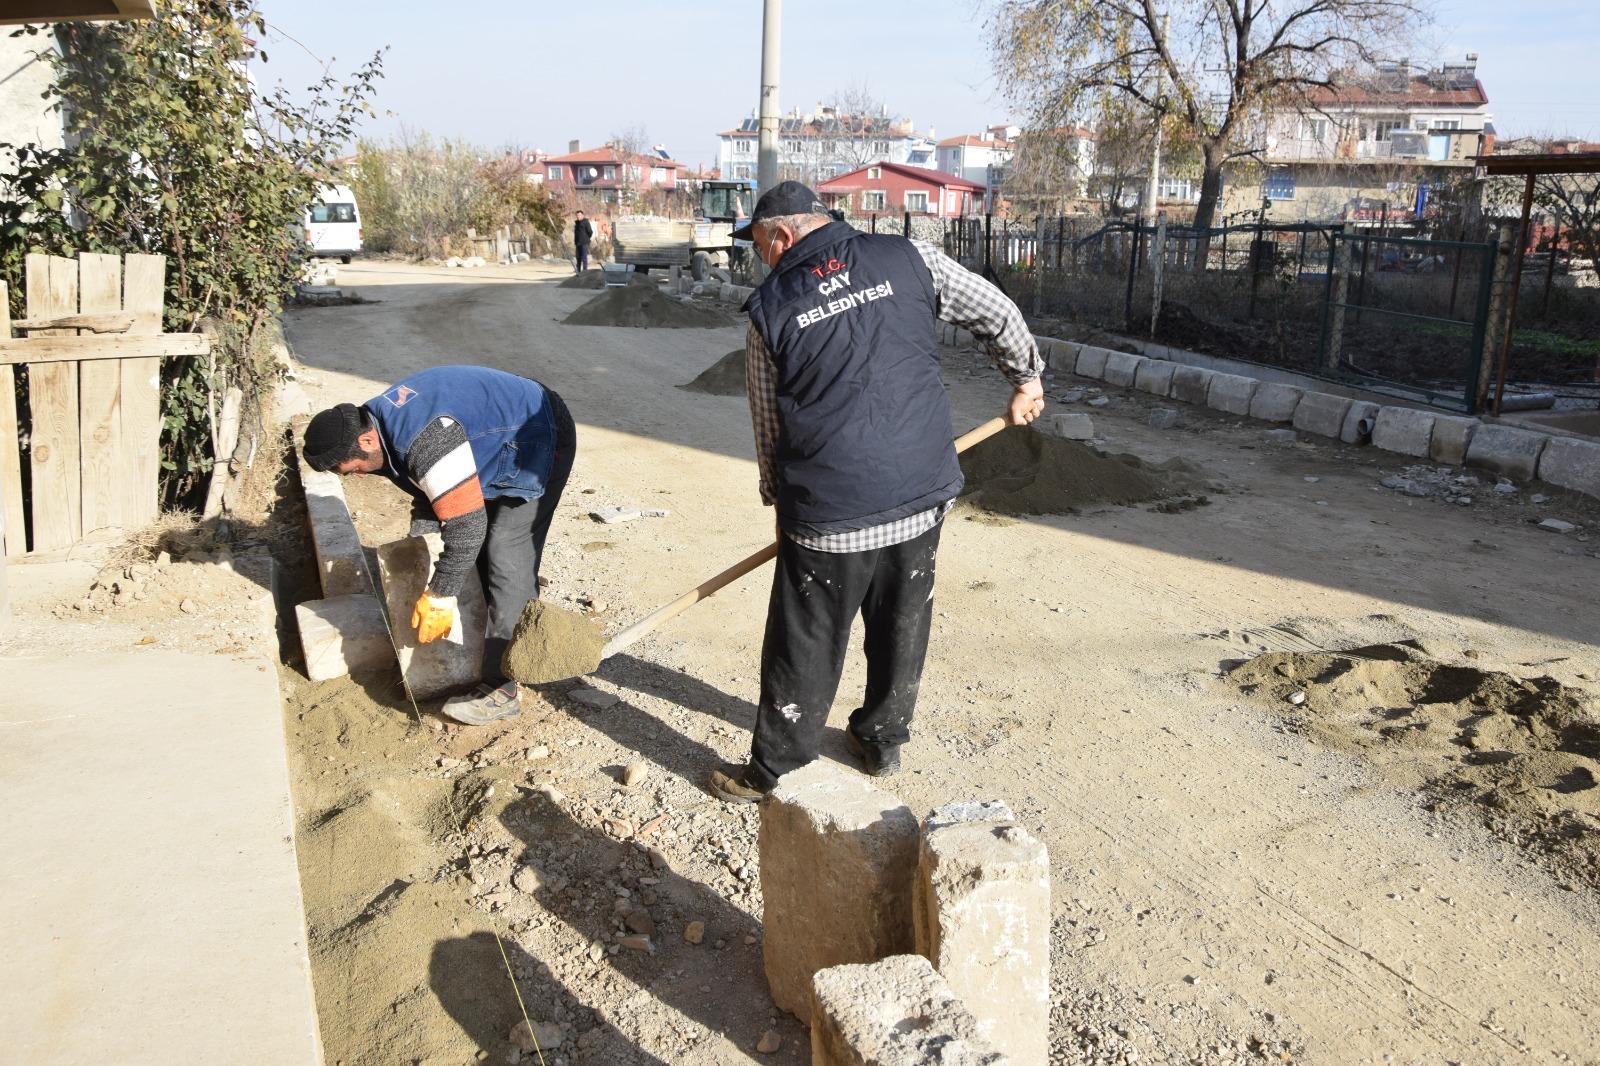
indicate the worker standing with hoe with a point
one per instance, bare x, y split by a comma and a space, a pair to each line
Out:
485, 454
852, 430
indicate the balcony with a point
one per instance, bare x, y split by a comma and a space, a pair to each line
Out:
1438, 147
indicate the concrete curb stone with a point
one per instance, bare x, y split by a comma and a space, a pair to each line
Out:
895, 1012
1451, 435
1155, 376
1404, 430
1321, 413
1358, 422
1122, 368
1505, 450
1231, 393
1571, 464
1273, 402
1091, 361
1191, 384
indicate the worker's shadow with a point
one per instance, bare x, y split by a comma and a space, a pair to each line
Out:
719, 984
468, 975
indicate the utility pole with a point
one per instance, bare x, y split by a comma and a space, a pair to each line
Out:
767, 145
1151, 191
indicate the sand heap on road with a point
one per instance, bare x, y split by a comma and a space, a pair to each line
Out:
644, 306
1524, 752
549, 644
725, 377
1021, 471
595, 279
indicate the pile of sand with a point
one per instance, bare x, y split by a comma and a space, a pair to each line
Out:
644, 306
1525, 752
725, 377
549, 644
1021, 471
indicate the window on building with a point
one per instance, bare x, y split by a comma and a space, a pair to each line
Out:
1446, 123
658, 175
1385, 126
1279, 184
874, 200
880, 147
741, 146
609, 173
557, 173
1313, 129
741, 172
874, 173
916, 201
1179, 189
633, 172
792, 146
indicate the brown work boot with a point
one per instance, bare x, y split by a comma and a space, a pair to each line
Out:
732, 789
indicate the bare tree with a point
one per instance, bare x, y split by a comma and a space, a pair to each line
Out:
1221, 64
629, 145
861, 121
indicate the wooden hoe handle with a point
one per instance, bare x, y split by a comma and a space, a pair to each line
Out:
654, 620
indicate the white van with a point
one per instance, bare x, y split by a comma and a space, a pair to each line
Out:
333, 224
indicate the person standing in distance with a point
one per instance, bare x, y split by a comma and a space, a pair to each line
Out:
485, 455
853, 443
582, 235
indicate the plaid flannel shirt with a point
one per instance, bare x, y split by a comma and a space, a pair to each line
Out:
964, 299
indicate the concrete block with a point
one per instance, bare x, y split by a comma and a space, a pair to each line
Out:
1321, 413
1358, 422
1191, 384
1154, 376
1451, 434
982, 915
1091, 361
1403, 429
1058, 354
1231, 393
1068, 427
1163, 417
443, 666
1273, 402
1571, 464
1280, 436
1122, 368
343, 634
341, 562
838, 858
1508, 451
897, 1012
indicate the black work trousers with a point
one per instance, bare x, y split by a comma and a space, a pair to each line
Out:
815, 598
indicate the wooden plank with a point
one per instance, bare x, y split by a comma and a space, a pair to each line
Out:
100, 445
16, 540
144, 286
49, 348
53, 401
117, 323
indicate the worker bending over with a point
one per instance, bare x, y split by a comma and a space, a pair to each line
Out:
853, 441
484, 454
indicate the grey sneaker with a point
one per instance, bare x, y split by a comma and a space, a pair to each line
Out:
484, 704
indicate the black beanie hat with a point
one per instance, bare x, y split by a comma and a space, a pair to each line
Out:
331, 436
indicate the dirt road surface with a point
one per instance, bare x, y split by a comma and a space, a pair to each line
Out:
1225, 886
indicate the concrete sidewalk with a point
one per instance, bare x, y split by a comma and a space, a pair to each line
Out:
148, 886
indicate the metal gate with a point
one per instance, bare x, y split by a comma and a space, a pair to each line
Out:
1409, 313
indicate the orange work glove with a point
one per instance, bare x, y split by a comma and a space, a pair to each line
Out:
433, 616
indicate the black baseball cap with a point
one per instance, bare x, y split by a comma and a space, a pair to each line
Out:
784, 198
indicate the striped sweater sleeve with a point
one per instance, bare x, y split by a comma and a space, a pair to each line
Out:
441, 464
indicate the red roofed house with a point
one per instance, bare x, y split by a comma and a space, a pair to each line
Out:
607, 173
1359, 150
894, 188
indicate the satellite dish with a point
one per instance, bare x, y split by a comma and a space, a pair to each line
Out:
591, 172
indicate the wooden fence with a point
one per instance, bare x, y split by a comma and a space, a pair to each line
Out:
93, 347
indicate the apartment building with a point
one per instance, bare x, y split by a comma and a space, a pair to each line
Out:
1370, 148
826, 143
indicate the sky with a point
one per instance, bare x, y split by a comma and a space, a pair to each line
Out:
537, 74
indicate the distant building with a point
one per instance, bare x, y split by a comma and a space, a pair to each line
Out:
1371, 148
894, 188
610, 175
979, 157
825, 144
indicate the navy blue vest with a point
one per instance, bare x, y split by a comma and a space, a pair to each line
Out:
864, 433
507, 419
